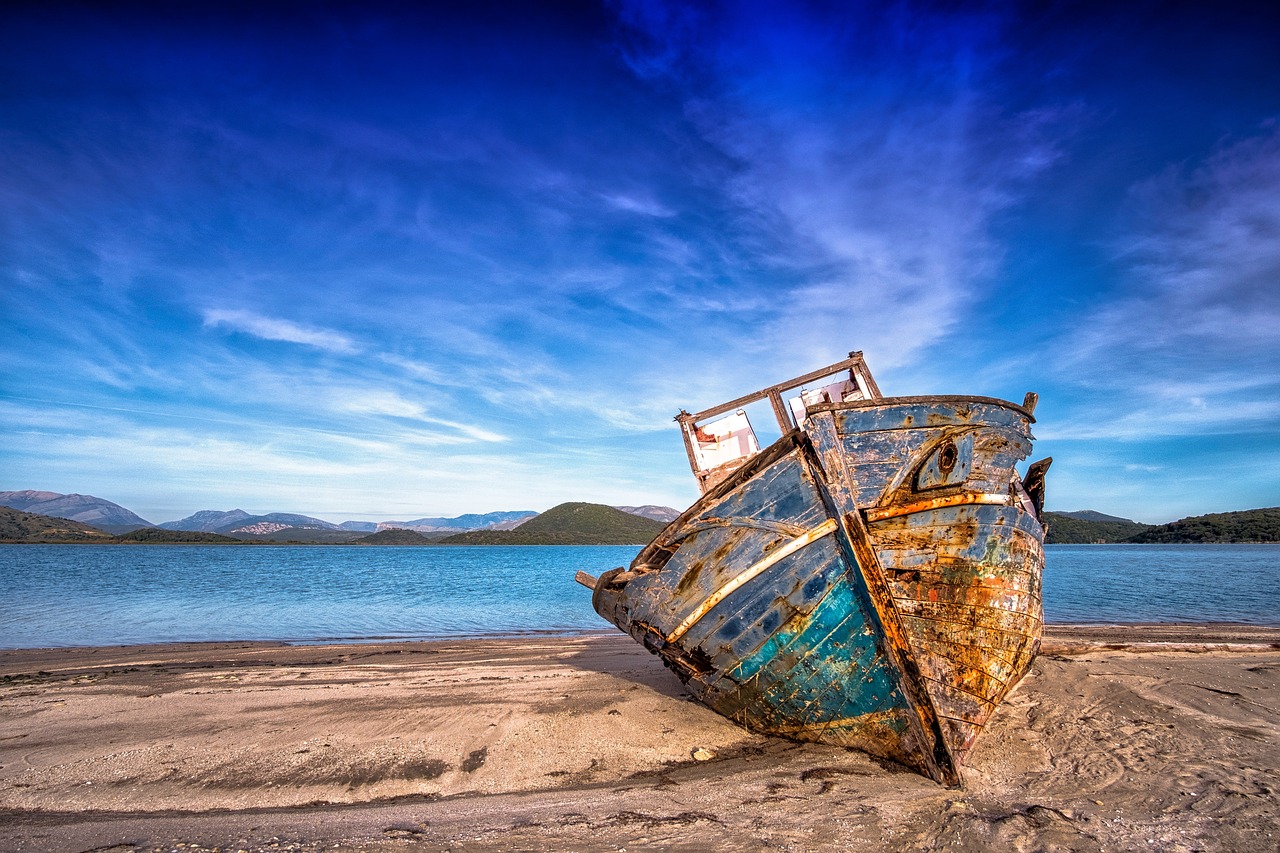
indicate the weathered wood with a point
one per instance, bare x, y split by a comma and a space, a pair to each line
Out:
1034, 482
872, 579
589, 581
853, 362
779, 554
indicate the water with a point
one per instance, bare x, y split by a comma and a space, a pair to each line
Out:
88, 595
1162, 583
72, 595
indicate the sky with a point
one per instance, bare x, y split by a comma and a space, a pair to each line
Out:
383, 261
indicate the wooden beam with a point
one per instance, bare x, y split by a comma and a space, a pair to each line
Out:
855, 360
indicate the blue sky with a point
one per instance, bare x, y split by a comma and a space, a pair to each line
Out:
378, 261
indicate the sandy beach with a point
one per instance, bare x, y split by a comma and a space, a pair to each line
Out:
1122, 738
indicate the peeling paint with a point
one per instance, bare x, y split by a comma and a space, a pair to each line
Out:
871, 579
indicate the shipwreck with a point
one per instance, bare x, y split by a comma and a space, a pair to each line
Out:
871, 579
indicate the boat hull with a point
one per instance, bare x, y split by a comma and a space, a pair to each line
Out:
820, 594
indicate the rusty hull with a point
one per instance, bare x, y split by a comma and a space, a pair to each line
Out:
870, 580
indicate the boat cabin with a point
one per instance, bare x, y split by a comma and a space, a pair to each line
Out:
720, 440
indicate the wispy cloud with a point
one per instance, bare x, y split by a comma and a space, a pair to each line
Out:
1191, 339
636, 204
274, 329
1202, 252
871, 175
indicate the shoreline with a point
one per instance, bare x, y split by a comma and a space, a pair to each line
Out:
343, 544
1189, 633
1161, 736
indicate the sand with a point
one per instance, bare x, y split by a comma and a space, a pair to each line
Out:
1152, 738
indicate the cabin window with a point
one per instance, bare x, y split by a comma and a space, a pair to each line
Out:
729, 439
838, 392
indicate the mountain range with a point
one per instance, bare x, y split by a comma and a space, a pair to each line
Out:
86, 509
572, 523
567, 524
276, 526
1090, 527
1087, 527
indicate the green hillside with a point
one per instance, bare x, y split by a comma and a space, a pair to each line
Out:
19, 526
1067, 529
159, 536
394, 536
569, 524
1252, 525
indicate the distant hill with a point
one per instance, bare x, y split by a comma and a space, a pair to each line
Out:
665, 514
304, 535
394, 536
569, 524
1094, 515
19, 526
505, 520
101, 513
208, 520
159, 536
1088, 527
27, 527
275, 524
291, 527
1252, 525
272, 527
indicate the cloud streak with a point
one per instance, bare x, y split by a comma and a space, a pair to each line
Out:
1191, 339
870, 175
274, 329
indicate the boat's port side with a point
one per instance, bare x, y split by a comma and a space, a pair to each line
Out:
757, 609
870, 580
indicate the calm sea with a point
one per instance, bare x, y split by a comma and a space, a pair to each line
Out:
78, 595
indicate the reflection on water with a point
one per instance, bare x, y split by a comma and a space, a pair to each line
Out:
71, 595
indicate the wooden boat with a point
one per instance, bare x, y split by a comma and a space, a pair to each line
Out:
871, 579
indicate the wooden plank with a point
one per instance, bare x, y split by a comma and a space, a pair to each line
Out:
974, 680
880, 513
962, 614
749, 574
961, 734
996, 642
924, 582
955, 703
1012, 603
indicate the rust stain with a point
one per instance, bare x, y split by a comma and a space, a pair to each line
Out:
871, 579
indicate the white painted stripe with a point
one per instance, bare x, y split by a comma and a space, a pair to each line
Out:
725, 591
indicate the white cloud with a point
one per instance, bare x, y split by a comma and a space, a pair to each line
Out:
870, 177
1202, 253
636, 204
273, 329
1190, 341
418, 369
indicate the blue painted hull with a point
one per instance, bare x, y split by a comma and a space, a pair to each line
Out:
846, 587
